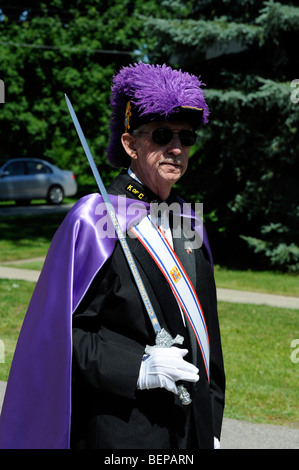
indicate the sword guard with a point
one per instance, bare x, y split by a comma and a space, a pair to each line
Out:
165, 340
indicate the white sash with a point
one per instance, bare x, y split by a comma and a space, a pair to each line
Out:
162, 253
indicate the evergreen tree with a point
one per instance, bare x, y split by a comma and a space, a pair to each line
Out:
245, 169
57, 47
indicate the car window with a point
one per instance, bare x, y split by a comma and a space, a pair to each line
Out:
37, 168
15, 168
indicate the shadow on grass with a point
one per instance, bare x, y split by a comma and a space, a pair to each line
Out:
23, 227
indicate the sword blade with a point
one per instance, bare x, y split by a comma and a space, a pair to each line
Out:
113, 217
88, 152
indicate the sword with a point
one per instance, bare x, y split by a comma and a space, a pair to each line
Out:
163, 338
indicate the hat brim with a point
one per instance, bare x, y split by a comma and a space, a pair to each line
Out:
194, 116
187, 114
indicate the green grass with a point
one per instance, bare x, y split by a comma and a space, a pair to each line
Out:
262, 381
14, 300
27, 237
258, 281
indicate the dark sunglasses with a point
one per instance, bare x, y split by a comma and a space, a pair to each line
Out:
163, 135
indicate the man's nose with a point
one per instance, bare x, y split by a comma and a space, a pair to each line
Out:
175, 146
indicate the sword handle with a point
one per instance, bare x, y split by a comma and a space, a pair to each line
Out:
165, 340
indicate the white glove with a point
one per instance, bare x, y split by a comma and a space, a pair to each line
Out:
163, 367
216, 443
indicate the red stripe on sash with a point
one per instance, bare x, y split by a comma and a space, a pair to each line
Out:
175, 294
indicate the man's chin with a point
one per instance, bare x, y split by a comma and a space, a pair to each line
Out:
171, 174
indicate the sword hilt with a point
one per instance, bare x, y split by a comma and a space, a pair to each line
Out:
165, 340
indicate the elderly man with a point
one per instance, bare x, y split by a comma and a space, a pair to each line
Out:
125, 394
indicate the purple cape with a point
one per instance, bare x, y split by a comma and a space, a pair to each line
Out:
37, 405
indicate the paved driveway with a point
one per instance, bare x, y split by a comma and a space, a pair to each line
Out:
34, 209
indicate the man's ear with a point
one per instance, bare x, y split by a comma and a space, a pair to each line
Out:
128, 142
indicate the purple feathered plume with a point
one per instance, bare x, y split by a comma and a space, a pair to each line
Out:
154, 91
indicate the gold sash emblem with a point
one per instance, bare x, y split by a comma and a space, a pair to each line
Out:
175, 274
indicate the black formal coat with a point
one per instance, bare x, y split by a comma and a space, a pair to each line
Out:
110, 331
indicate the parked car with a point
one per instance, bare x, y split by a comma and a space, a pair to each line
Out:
23, 179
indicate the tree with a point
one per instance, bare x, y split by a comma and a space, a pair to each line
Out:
59, 47
246, 167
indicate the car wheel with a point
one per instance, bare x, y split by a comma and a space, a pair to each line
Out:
55, 195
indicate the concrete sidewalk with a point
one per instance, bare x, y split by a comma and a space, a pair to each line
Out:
225, 295
19, 274
2, 392
241, 435
257, 298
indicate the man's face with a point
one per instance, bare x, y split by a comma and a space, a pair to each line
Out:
159, 167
